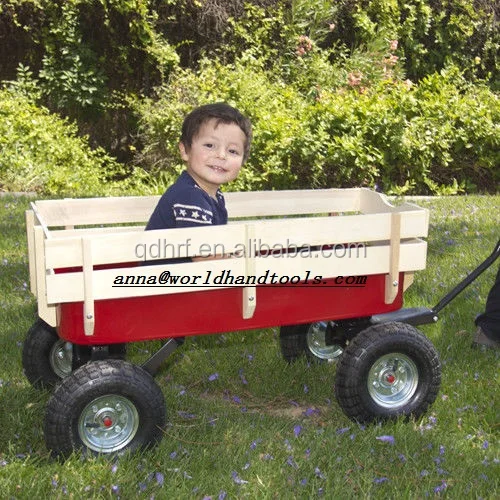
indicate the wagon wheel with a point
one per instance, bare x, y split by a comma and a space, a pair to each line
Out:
318, 341
388, 370
105, 407
46, 358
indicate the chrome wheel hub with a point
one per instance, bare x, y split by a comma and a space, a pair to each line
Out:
316, 342
61, 358
108, 423
393, 380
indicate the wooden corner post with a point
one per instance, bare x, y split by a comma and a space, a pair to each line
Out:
392, 279
88, 301
249, 292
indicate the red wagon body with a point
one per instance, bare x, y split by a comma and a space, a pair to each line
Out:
148, 318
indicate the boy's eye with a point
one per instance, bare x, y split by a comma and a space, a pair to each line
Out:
209, 145
234, 152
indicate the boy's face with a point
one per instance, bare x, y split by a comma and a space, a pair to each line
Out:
215, 156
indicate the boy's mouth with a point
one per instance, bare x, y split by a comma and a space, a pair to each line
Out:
217, 168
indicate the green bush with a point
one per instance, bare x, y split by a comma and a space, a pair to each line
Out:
440, 136
41, 152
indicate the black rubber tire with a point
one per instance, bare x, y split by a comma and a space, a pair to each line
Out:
36, 356
367, 350
100, 379
294, 344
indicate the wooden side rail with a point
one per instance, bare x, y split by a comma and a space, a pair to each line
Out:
69, 213
129, 246
390, 237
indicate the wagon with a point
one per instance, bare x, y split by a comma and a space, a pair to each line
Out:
328, 267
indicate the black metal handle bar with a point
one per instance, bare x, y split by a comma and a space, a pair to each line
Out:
422, 315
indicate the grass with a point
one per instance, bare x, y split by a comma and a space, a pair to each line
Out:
263, 428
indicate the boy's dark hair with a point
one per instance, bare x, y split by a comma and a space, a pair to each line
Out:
222, 113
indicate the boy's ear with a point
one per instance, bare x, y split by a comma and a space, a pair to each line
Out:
182, 149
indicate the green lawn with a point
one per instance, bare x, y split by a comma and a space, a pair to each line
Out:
265, 429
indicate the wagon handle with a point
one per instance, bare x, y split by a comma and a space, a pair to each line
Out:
422, 315
468, 279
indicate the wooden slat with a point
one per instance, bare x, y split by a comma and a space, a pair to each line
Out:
78, 233
292, 202
69, 287
90, 211
121, 247
114, 210
132, 209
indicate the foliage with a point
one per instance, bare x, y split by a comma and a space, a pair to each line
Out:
441, 136
87, 57
399, 95
41, 152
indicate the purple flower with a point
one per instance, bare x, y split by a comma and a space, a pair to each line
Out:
380, 480
222, 495
441, 487
242, 377
292, 463
306, 389
386, 439
297, 430
303, 482
342, 430
236, 399
115, 489
485, 445
173, 455
319, 473
254, 444
213, 377
237, 478
441, 449
311, 411
160, 478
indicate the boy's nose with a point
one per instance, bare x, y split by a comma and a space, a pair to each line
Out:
221, 154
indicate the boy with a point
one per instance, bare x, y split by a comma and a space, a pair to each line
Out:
215, 142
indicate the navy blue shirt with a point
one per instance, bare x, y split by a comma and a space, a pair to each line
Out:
185, 204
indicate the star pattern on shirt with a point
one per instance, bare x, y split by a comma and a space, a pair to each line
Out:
192, 213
